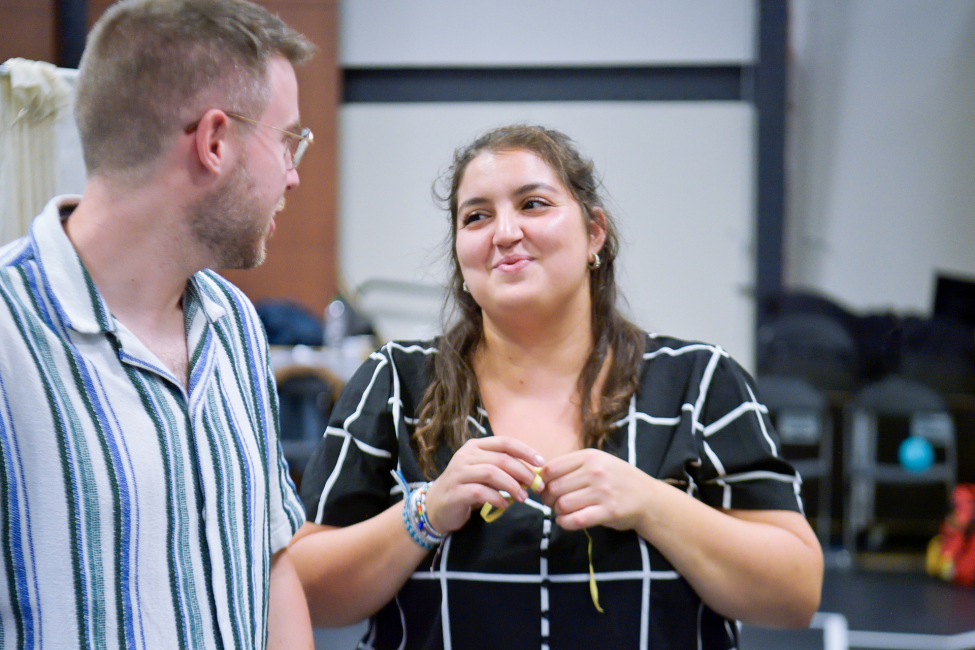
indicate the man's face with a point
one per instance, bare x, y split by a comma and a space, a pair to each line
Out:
235, 220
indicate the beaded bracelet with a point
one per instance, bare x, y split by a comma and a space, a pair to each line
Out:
419, 525
423, 522
415, 514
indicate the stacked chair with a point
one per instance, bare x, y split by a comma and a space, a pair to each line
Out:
884, 378
306, 396
800, 413
895, 408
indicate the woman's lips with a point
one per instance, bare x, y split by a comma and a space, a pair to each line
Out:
514, 265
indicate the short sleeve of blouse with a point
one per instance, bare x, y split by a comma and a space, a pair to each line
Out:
348, 479
741, 467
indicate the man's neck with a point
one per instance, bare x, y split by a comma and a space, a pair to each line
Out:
134, 245
137, 249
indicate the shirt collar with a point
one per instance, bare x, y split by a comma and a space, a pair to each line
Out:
197, 290
74, 294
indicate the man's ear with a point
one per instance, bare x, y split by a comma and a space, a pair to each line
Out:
597, 230
212, 135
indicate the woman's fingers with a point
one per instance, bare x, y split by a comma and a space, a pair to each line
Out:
513, 449
513, 456
590, 487
477, 474
584, 518
565, 464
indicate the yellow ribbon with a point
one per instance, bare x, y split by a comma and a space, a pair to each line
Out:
486, 509
489, 514
593, 589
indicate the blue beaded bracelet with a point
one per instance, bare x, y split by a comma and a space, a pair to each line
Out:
414, 514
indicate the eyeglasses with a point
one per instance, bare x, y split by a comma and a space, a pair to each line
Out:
297, 143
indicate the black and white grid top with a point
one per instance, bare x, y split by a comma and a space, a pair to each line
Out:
521, 581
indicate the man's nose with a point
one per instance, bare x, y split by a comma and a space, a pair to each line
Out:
292, 181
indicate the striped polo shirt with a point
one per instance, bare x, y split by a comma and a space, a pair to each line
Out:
133, 513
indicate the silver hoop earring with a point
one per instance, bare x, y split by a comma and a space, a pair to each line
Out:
464, 287
595, 262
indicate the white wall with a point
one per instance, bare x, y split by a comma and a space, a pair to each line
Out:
545, 32
679, 174
884, 149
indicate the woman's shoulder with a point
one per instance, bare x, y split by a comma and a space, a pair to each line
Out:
411, 361
671, 361
681, 351
410, 353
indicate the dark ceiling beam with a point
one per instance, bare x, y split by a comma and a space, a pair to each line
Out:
72, 26
769, 98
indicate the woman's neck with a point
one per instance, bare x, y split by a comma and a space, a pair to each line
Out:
526, 353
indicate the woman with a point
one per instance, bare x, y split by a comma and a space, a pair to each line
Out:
653, 448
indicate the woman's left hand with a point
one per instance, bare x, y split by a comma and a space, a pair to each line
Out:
762, 567
593, 488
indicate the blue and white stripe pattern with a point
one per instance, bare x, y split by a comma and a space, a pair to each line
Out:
133, 513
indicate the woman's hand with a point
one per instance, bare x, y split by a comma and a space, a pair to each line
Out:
593, 488
476, 475
761, 567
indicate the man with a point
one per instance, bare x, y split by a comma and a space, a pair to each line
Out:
144, 498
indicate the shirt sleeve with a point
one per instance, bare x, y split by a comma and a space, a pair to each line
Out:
287, 513
348, 478
739, 448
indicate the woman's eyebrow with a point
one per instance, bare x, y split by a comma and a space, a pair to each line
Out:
524, 189
531, 187
477, 200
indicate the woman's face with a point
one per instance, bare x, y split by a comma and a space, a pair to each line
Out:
522, 241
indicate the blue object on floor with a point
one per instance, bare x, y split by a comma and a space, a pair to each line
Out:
916, 454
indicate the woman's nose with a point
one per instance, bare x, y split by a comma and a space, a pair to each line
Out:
507, 228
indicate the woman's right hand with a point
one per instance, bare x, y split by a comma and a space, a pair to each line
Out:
476, 474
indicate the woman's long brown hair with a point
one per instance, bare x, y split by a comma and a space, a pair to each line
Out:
453, 392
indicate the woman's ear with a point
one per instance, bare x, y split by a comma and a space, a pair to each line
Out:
597, 230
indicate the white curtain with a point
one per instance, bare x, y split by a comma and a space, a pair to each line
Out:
33, 95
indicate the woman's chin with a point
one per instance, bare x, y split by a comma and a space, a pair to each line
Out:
519, 306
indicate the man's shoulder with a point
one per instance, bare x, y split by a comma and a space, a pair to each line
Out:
16, 253
18, 277
222, 291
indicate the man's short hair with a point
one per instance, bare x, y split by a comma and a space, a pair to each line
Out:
152, 67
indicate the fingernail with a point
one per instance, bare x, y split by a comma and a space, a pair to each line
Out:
539, 461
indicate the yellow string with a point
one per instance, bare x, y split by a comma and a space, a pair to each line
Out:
488, 514
593, 589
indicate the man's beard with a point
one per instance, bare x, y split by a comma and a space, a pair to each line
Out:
230, 224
